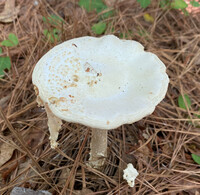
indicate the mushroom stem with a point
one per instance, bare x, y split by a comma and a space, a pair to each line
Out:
54, 124
98, 148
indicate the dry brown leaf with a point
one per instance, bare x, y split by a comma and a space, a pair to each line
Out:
8, 170
142, 154
25, 171
35, 136
25, 165
166, 149
63, 176
6, 152
4, 100
143, 151
185, 182
197, 60
10, 12
65, 173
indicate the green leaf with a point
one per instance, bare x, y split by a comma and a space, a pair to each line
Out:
53, 20
5, 63
98, 5
179, 4
56, 33
198, 115
52, 35
143, 33
195, 3
45, 32
183, 104
144, 3
164, 3
7, 43
125, 35
196, 158
91, 5
107, 14
186, 13
11, 41
44, 19
48, 35
99, 28
1, 50
12, 37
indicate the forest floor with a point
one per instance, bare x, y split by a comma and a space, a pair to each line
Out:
164, 147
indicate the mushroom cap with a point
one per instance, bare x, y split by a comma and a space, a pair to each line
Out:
100, 82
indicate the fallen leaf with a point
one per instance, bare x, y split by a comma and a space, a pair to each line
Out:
35, 136
143, 151
166, 149
26, 174
197, 60
142, 154
4, 101
6, 152
63, 176
148, 18
10, 12
8, 170
192, 186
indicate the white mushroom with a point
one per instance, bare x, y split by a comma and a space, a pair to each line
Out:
130, 173
102, 83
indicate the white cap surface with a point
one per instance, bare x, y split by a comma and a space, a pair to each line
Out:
100, 82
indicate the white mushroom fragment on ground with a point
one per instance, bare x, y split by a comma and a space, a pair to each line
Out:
130, 173
102, 83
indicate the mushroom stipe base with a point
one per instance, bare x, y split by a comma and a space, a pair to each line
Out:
98, 148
